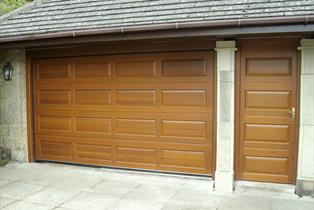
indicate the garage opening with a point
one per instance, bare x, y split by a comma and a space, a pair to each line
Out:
142, 111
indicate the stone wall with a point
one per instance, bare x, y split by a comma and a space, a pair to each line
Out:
13, 130
305, 178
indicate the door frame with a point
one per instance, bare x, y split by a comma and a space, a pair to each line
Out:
238, 104
172, 45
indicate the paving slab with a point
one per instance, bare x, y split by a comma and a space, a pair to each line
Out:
5, 202
23, 205
90, 200
152, 193
126, 204
18, 190
52, 196
4, 182
114, 188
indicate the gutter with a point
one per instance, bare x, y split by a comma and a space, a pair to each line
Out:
237, 23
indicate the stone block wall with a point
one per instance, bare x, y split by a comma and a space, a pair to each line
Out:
13, 130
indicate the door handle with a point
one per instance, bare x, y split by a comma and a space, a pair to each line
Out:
292, 113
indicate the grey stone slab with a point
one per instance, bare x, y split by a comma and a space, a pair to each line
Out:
153, 193
52, 196
137, 205
5, 202
115, 188
198, 197
75, 182
23, 205
4, 182
245, 203
293, 204
91, 200
187, 206
18, 190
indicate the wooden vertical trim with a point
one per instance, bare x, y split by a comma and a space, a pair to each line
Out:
237, 111
214, 145
29, 110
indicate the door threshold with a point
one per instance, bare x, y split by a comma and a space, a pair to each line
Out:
133, 171
265, 189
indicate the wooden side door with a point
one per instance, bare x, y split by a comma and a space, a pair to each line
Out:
268, 110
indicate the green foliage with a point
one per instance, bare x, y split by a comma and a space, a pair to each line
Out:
9, 5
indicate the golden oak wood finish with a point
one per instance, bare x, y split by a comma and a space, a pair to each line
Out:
268, 92
147, 111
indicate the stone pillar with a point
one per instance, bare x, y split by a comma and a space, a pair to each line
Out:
305, 176
13, 130
224, 175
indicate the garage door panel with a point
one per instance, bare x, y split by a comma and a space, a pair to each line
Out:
268, 99
152, 111
54, 70
92, 69
54, 150
259, 66
128, 97
183, 67
96, 97
184, 129
54, 97
184, 98
136, 155
94, 152
54, 123
146, 68
93, 125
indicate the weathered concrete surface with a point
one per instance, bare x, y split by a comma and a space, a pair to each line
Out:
49, 186
305, 177
13, 130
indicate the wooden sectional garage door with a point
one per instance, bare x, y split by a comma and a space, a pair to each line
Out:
145, 111
268, 95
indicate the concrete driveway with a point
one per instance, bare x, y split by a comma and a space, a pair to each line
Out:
43, 186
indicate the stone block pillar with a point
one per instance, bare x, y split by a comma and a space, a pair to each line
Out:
305, 174
13, 129
224, 175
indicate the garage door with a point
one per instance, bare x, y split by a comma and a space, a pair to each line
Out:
144, 111
268, 111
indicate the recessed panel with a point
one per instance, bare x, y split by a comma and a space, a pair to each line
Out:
96, 152
183, 158
266, 165
186, 67
184, 129
268, 99
57, 123
136, 97
54, 97
136, 69
48, 149
136, 155
268, 66
264, 132
93, 124
54, 71
136, 127
93, 97
184, 98
92, 70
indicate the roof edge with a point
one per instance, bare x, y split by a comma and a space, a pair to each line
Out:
304, 20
